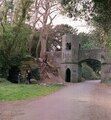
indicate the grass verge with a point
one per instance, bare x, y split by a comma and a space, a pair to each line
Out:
13, 92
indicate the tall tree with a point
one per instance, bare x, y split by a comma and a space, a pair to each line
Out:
44, 13
14, 35
97, 12
55, 36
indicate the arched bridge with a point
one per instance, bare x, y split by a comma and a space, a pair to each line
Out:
96, 54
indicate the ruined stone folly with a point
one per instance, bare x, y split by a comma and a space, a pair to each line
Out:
71, 55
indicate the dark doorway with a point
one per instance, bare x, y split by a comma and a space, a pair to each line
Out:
68, 75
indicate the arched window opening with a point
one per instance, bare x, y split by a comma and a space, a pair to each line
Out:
68, 46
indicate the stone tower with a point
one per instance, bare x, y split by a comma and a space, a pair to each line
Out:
69, 63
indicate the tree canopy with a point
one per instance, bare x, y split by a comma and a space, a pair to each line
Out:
54, 42
96, 12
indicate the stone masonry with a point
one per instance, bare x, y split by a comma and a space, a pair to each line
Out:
73, 55
68, 59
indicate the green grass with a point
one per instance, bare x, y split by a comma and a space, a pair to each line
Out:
13, 92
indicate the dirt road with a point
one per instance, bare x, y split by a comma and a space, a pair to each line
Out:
89, 100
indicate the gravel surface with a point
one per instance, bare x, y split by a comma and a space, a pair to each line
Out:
89, 100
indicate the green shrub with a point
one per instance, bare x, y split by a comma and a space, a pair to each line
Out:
87, 72
36, 74
4, 81
30, 63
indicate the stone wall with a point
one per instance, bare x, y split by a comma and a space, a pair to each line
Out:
90, 54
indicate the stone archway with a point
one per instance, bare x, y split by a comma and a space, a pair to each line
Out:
68, 75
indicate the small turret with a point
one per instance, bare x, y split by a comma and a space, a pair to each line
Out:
69, 65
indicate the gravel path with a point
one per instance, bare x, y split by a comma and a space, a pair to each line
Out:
89, 100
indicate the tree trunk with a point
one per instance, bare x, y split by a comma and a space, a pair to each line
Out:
37, 49
43, 48
105, 37
31, 42
42, 42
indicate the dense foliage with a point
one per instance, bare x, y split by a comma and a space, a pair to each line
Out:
88, 73
14, 34
54, 42
89, 40
96, 12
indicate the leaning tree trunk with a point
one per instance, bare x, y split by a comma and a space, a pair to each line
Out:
42, 44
